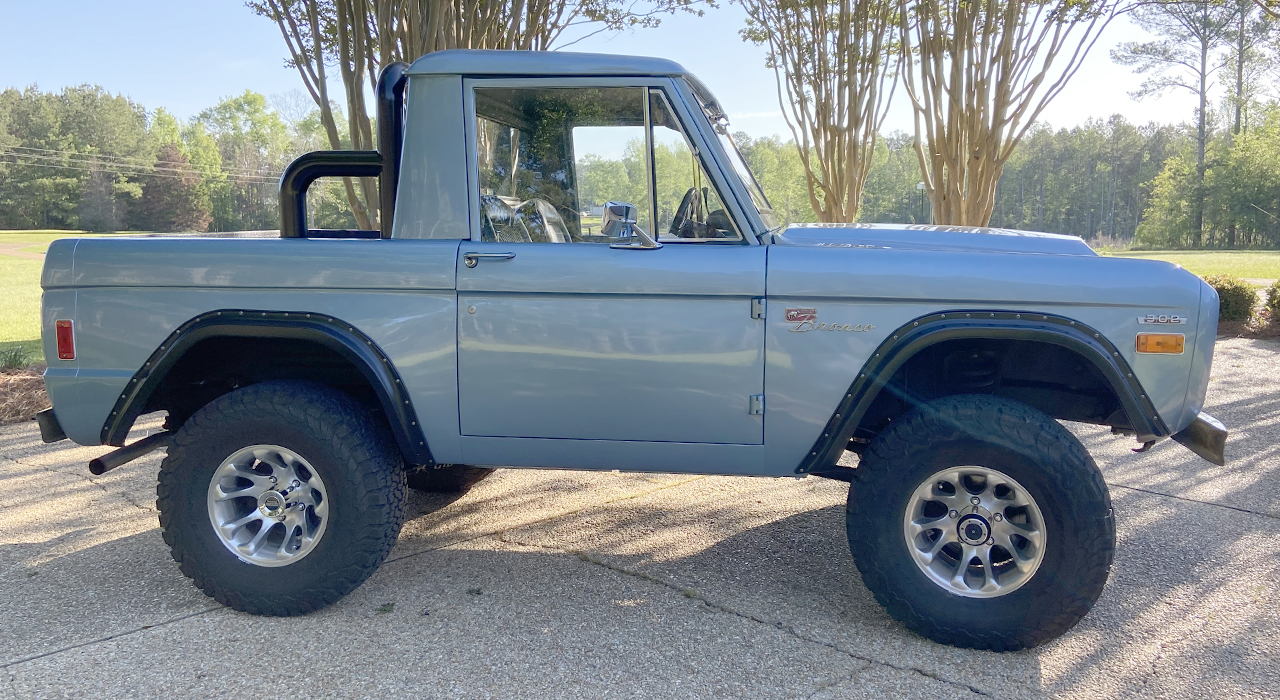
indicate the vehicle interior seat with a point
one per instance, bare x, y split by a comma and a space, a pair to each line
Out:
499, 223
543, 222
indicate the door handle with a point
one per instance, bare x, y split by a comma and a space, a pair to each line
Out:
472, 259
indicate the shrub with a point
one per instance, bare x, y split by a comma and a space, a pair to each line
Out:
1236, 297
1273, 303
13, 357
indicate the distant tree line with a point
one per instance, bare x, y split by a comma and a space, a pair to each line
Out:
83, 158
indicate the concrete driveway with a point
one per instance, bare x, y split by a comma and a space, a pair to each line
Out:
566, 584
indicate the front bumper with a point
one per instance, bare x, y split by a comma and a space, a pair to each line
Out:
1207, 437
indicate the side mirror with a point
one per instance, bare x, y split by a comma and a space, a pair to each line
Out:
619, 221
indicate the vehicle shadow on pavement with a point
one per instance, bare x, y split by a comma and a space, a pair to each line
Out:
728, 566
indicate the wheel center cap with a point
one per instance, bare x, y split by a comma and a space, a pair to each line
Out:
272, 504
973, 529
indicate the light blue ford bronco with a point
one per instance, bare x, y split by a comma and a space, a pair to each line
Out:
576, 270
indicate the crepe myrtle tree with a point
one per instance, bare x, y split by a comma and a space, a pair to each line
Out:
834, 61
361, 36
978, 74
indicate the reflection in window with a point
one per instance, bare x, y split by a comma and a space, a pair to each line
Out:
688, 205
544, 161
550, 159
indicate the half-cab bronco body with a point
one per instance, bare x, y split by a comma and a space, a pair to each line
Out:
576, 270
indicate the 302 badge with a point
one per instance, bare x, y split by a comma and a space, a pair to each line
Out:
1162, 320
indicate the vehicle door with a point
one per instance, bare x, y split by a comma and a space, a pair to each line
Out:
568, 328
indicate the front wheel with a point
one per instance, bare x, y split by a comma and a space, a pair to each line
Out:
280, 498
981, 522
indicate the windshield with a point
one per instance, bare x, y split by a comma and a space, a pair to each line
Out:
720, 124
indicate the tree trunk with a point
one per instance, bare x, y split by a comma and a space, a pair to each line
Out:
1197, 219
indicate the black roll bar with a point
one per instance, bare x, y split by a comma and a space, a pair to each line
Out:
390, 97
383, 164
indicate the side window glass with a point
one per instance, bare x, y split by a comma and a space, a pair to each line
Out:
549, 159
688, 205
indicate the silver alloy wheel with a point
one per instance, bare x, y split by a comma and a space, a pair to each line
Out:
268, 505
974, 531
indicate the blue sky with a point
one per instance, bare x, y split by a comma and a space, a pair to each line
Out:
184, 55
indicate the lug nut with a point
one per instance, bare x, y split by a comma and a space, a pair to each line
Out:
990, 541
975, 500
997, 517
955, 514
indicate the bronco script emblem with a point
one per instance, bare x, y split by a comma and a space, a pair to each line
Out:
807, 320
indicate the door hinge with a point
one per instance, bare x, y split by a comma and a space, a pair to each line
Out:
756, 405
757, 307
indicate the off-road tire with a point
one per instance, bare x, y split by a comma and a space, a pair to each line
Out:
352, 452
1024, 444
446, 478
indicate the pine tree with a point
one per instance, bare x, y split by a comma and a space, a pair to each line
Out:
172, 199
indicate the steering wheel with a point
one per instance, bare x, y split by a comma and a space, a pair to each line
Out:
682, 213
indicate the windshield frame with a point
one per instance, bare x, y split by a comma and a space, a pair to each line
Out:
718, 121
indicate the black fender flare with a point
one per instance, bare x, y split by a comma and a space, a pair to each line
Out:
914, 336
332, 333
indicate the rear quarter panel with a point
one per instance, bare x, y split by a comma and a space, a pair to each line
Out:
131, 294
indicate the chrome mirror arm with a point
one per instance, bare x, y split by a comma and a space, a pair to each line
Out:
621, 217
639, 239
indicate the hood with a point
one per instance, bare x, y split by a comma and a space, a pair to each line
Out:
938, 238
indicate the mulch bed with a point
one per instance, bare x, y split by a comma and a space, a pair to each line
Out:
21, 394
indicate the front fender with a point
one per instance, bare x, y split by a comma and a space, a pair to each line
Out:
924, 331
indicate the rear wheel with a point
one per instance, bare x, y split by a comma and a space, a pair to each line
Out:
981, 522
281, 498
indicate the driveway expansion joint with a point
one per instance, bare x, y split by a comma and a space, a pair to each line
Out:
1273, 516
720, 607
108, 638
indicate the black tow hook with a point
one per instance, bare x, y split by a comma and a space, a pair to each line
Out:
128, 453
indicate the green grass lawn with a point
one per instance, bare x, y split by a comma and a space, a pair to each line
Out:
1258, 264
20, 304
20, 289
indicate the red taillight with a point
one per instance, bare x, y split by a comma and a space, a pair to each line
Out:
66, 340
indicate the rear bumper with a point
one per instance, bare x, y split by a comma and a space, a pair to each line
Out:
1207, 437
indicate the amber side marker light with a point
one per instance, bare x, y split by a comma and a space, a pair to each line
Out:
1170, 343
66, 340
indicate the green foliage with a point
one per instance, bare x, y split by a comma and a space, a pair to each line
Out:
14, 357
175, 203
1091, 181
1171, 212
84, 159
254, 145
891, 194
1241, 194
777, 166
65, 153
1272, 303
1236, 298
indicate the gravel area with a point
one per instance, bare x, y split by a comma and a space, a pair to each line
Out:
569, 584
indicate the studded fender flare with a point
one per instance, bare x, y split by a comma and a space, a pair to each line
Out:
332, 333
920, 333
